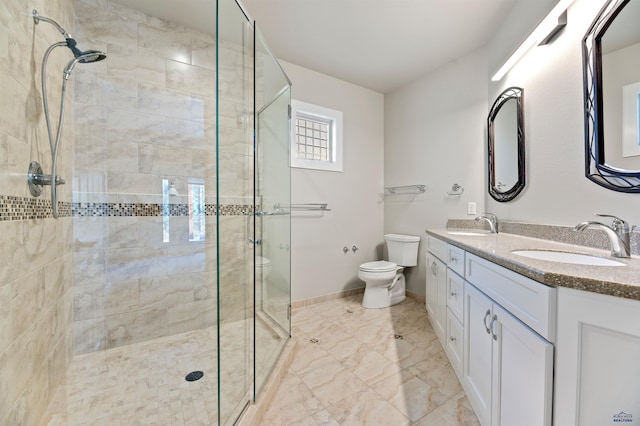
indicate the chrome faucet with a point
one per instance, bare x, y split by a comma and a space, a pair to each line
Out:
619, 234
492, 219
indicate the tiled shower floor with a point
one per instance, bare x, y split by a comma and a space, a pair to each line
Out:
141, 384
144, 383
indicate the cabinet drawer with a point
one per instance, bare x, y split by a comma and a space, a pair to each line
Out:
455, 343
455, 259
438, 248
455, 288
531, 302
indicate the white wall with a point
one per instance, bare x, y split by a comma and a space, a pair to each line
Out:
435, 135
319, 267
557, 192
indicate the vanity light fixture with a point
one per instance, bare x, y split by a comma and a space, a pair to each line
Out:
546, 30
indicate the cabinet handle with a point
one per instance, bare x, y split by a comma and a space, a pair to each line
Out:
493, 333
485, 321
453, 339
453, 294
434, 268
454, 259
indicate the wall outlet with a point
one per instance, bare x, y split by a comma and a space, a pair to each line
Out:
471, 207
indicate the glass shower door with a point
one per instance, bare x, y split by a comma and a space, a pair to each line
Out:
273, 218
234, 207
253, 220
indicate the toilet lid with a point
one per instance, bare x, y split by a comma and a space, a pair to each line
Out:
379, 266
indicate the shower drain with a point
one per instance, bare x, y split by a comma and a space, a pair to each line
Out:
193, 376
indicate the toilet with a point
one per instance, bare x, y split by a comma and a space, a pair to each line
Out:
384, 280
263, 269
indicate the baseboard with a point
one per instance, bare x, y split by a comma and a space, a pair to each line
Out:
320, 299
417, 297
306, 302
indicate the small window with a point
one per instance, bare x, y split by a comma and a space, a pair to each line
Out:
316, 140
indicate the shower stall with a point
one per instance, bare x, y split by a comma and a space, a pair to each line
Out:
157, 290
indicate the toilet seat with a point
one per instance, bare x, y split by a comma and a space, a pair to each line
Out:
378, 266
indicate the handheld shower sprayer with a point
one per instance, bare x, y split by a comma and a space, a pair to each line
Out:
35, 177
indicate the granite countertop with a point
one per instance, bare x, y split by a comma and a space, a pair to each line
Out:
618, 281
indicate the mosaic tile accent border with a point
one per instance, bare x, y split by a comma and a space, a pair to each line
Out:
24, 208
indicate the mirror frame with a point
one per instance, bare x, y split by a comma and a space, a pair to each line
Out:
596, 169
510, 93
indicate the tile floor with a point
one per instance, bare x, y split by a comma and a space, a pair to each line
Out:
356, 366
352, 366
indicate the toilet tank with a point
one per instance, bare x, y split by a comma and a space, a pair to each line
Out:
403, 249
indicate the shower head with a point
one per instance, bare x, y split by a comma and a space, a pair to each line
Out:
86, 57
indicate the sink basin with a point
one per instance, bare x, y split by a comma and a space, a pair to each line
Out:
566, 257
468, 233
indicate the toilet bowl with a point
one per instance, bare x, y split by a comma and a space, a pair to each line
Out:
384, 284
384, 280
263, 267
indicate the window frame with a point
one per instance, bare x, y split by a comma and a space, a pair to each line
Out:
305, 110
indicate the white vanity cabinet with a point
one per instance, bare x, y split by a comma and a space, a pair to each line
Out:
508, 367
497, 329
444, 294
597, 360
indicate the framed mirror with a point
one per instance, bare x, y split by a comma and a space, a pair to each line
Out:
506, 145
611, 68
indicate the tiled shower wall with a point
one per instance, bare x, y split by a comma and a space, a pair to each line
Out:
36, 267
144, 115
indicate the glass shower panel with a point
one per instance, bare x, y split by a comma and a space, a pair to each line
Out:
234, 209
144, 231
273, 218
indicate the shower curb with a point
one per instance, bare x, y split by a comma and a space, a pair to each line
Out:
252, 416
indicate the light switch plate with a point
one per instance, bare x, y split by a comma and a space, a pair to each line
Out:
471, 207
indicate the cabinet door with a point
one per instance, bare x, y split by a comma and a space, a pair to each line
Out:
436, 295
522, 371
478, 311
597, 360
